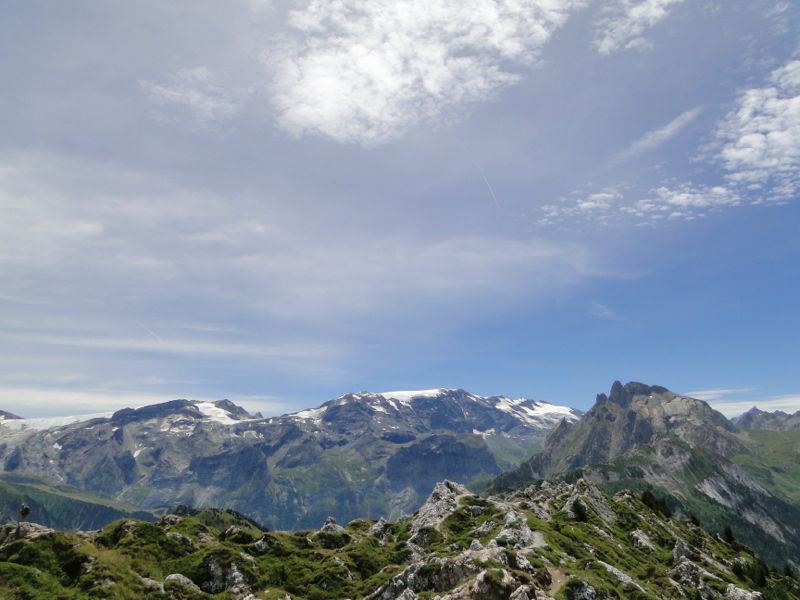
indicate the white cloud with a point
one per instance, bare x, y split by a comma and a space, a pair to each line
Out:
657, 137
716, 393
759, 141
668, 202
683, 201
626, 20
196, 92
367, 71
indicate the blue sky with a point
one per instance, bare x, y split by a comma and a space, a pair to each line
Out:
279, 202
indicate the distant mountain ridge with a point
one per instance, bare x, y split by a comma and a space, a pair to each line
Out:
761, 420
362, 454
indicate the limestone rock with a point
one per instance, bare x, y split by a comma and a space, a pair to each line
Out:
181, 581
442, 502
331, 526
736, 593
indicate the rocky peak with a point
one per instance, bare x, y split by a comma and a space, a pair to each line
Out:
624, 394
629, 417
8, 416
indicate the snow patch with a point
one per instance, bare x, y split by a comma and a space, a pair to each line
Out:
311, 414
49, 422
405, 397
214, 413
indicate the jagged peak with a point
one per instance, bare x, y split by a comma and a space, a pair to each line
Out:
623, 394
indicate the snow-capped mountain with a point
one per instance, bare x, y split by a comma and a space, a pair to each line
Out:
362, 454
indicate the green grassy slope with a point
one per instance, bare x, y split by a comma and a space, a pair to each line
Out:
775, 461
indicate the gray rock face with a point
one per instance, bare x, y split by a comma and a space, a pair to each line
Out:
632, 415
225, 577
177, 579
735, 593
621, 576
25, 531
584, 592
439, 505
331, 526
642, 540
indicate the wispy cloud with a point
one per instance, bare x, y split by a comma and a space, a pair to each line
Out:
601, 311
717, 393
366, 72
169, 279
195, 93
625, 22
653, 139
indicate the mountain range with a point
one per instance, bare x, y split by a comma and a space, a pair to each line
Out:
360, 455
371, 455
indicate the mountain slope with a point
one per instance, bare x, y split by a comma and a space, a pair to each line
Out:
363, 454
646, 435
560, 541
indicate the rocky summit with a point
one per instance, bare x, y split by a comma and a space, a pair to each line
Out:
360, 455
547, 541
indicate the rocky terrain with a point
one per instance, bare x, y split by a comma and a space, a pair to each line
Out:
646, 435
761, 420
360, 455
549, 541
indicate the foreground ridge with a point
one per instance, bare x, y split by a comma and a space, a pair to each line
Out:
563, 541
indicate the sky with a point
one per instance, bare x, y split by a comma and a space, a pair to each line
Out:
279, 202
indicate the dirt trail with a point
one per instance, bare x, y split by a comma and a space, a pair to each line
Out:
558, 577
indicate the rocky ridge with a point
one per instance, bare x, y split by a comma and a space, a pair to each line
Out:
548, 541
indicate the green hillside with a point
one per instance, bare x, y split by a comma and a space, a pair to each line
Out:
59, 506
775, 461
